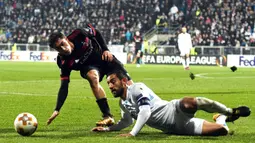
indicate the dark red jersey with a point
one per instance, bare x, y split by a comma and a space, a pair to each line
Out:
82, 49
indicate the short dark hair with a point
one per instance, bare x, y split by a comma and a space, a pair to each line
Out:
118, 73
54, 37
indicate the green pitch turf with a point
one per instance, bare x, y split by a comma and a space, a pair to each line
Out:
32, 87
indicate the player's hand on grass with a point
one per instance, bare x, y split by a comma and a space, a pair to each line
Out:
125, 135
99, 129
107, 56
53, 116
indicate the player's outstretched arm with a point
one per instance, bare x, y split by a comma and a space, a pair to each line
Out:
62, 94
124, 122
142, 118
143, 115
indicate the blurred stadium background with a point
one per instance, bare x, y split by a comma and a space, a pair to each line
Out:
218, 27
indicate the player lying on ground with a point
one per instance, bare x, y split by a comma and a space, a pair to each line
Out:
139, 102
86, 51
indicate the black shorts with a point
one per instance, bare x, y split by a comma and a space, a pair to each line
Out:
95, 62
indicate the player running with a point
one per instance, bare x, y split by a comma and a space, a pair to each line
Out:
185, 45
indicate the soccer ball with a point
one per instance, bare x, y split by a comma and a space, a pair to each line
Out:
25, 124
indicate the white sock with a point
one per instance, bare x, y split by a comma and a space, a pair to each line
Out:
187, 61
212, 106
183, 62
222, 120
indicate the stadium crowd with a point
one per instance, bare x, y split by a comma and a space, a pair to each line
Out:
226, 23
211, 22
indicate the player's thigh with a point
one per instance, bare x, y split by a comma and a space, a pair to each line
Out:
183, 52
93, 67
193, 126
92, 71
185, 123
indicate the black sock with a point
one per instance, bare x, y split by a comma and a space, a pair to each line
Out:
104, 107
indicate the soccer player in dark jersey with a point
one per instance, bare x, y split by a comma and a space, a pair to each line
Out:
84, 50
138, 48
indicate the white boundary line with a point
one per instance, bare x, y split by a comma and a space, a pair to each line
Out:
204, 75
36, 81
4, 93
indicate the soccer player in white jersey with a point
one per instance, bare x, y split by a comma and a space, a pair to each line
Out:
184, 45
139, 102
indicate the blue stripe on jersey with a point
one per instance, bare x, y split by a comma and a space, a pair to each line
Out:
138, 97
143, 101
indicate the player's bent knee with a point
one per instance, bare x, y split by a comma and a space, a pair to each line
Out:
188, 104
93, 78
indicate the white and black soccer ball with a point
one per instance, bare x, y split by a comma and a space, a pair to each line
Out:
25, 124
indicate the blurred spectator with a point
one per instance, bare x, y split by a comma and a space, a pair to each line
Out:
128, 36
138, 47
213, 22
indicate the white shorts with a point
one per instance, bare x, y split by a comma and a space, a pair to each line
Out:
184, 52
185, 123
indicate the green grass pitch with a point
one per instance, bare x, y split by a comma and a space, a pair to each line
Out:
32, 87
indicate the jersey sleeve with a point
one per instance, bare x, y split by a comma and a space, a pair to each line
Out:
140, 95
179, 39
96, 36
65, 69
88, 31
143, 115
190, 41
125, 121
74, 34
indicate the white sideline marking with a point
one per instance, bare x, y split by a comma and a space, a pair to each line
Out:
35, 81
35, 94
18, 93
204, 75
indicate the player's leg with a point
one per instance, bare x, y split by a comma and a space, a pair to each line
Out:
182, 54
93, 76
196, 126
191, 105
186, 124
137, 56
219, 128
187, 60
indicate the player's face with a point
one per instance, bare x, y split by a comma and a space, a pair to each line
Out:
115, 85
63, 46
